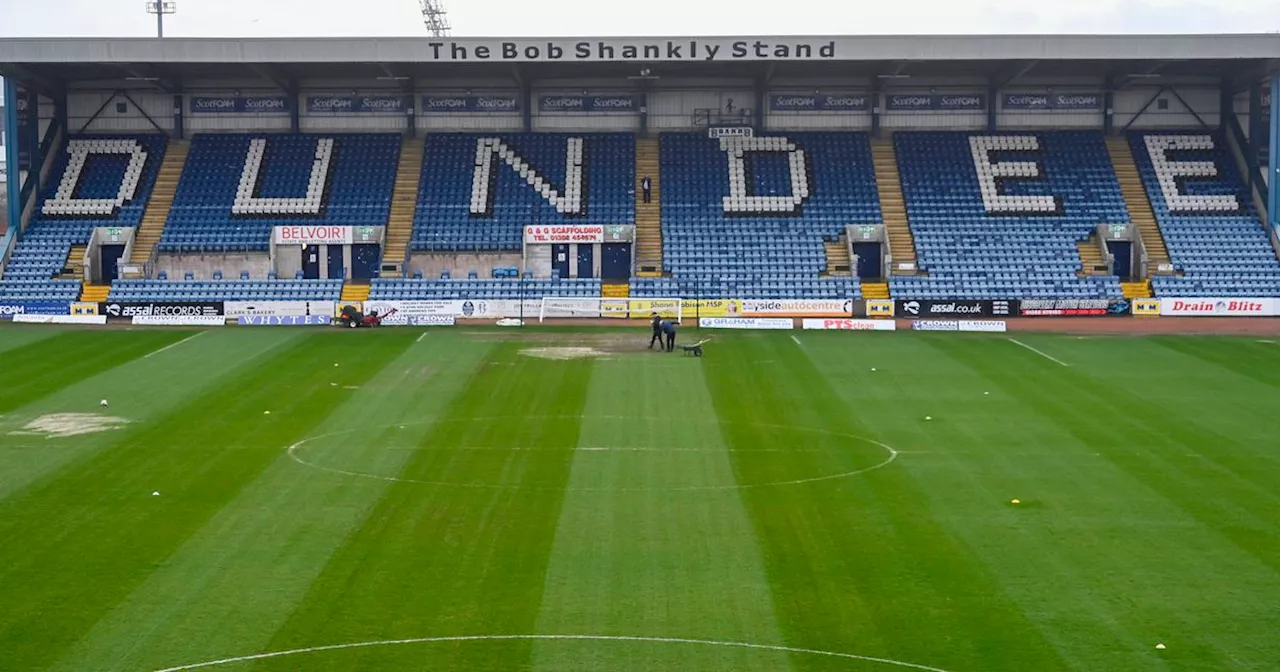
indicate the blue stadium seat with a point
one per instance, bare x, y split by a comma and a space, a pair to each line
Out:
507, 288
356, 184
760, 248
226, 290
89, 199
1006, 248
1214, 235
445, 219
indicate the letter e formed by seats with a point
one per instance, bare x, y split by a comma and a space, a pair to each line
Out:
1172, 173
992, 174
739, 201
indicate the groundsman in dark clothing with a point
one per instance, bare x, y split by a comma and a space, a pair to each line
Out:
656, 322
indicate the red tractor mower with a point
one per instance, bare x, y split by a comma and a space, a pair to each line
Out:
353, 318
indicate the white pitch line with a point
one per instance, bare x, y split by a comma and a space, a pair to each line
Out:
793, 337
1046, 356
596, 638
424, 335
174, 345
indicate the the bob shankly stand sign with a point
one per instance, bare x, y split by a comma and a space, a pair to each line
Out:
632, 49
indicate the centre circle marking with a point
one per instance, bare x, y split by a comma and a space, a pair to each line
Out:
599, 638
295, 449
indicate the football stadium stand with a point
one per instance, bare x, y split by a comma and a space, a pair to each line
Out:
998, 215
1214, 234
478, 192
237, 187
97, 181
752, 200
747, 217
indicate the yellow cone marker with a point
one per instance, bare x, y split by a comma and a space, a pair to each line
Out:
1015, 501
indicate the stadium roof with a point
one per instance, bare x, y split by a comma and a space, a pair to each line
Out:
50, 63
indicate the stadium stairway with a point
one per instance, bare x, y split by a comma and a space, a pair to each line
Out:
1136, 290
95, 293
648, 215
615, 290
404, 200
893, 207
355, 291
1135, 199
838, 261
875, 290
1090, 256
157, 211
73, 267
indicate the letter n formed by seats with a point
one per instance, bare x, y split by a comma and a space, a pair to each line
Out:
569, 202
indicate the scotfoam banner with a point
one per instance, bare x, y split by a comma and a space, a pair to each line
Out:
819, 102
469, 104
1052, 101
618, 103
355, 104
238, 105
908, 102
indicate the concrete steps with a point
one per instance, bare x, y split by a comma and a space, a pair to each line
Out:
94, 293
1138, 203
352, 291
156, 213
875, 290
1136, 290
73, 267
404, 201
893, 207
615, 290
838, 261
648, 215
1090, 257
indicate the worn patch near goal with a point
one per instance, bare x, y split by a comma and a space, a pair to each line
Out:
563, 353
59, 425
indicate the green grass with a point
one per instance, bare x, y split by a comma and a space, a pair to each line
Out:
777, 493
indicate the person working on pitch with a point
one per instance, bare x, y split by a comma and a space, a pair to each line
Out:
669, 328
656, 322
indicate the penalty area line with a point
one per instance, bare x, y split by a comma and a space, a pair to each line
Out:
424, 335
793, 337
174, 345
1038, 352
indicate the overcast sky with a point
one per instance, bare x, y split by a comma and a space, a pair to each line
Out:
516, 18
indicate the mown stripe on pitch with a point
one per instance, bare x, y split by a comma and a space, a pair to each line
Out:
856, 564
1234, 550
447, 560
17, 336
634, 554
41, 368
237, 580
1259, 362
133, 389
80, 543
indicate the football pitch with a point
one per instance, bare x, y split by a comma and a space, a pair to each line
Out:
552, 500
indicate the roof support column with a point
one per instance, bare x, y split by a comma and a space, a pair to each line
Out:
179, 129
1109, 106
410, 114
526, 106
12, 188
295, 104
1273, 188
757, 119
993, 119
30, 129
1257, 134
875, 107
